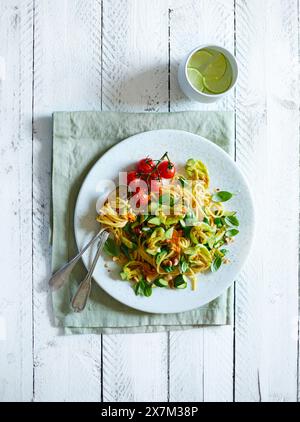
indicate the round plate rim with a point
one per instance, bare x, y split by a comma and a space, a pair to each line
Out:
242, 177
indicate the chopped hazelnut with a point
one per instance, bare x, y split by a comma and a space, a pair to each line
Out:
167, 263
175, 261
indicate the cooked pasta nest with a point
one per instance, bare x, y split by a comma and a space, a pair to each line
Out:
182, 232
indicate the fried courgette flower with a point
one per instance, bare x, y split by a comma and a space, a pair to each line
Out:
196, 170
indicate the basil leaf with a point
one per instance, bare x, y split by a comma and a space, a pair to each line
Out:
232, 221
147, 290
222, 196
224, 251
111, 248
218, 222
232, 232
138, 289
205, 220
216, 264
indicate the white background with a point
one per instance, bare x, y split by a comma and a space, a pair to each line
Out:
123, 55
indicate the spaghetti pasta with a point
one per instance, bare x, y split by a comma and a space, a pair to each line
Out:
181, 232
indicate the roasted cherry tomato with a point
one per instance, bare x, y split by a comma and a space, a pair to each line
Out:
142, 199
166, 169
145, 166
137, 184
131, 176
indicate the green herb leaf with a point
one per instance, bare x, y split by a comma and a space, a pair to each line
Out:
138, 289
111, 248
232, 221
180, 282
232, 232
218, 222
229, 213
224, 251
205, 220
216, 264
222, 196
147, 290
142, 288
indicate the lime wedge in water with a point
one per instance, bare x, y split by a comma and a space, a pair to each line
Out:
195, 78
200, 59
216, 68
206, 91
218, 85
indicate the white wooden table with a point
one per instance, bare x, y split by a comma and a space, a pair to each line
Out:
123, 55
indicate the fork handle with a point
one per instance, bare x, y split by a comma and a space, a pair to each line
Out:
61, 276
82, 294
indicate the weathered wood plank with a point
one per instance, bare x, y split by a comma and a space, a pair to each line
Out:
135, 78
201, 361
267, 153
16, 25
67, 76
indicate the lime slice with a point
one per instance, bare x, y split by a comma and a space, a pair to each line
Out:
216, 68
195, 78
206, 91
218, 86
200, 59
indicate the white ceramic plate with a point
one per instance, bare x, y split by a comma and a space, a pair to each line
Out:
181, 146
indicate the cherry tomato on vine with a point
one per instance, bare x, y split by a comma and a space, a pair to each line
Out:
131, 176
166, 169
137, 185
142, 199
146, 166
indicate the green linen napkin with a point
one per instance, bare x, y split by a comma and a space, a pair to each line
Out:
79, 140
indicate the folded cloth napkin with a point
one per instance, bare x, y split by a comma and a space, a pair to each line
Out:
79, 140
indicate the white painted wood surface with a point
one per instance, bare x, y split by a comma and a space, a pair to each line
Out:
123, 55
135, 78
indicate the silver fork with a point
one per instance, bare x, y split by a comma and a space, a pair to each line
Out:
62, 275
83, 292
